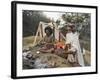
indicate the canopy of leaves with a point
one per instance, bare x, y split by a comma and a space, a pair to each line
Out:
81, 21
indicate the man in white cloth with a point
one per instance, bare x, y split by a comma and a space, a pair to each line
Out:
72, 37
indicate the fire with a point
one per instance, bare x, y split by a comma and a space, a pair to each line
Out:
60, 45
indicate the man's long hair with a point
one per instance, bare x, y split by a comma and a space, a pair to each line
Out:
49, 29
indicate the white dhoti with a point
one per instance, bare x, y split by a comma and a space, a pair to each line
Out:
73, 38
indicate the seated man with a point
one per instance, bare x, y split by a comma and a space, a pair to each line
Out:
71, 51
47, 41
72, 37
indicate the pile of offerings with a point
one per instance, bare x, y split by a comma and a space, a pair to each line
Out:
58, 48
47, 48
52, 48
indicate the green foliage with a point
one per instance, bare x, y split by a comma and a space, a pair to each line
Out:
76, 17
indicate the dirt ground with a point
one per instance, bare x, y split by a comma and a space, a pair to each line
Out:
52, 60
